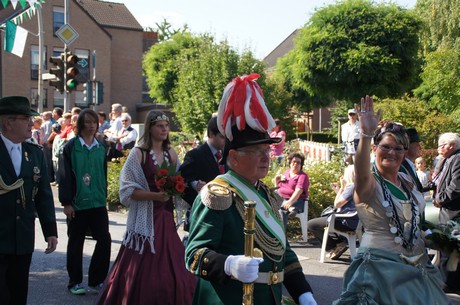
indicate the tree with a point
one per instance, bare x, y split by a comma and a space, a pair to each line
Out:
429, 123
190, 73
161, 67
441, 81
353, 48
440, 86
441, 23
203, 74
303, 98
165, 30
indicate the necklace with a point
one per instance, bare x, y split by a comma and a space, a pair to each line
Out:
165, 157
405, 233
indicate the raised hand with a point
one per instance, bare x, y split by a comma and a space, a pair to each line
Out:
367, 118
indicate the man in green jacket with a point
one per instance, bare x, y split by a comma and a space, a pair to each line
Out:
216, 246
83, 193
24, 192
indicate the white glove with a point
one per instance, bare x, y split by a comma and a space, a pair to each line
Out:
243, 268
307, 299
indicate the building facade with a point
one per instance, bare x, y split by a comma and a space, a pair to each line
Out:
110, 47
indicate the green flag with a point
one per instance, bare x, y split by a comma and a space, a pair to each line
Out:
15, 39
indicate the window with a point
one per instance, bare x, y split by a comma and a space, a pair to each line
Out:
58, 51
58, 18
34, 62
34, 98
58, 99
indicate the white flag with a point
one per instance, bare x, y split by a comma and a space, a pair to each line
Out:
15, 39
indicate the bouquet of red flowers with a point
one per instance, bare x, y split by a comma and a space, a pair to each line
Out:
169, 181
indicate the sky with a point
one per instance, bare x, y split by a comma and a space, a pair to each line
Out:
257, 25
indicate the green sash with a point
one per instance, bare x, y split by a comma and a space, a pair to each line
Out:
263, 211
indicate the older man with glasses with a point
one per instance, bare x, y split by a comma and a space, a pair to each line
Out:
447, 193
24, 192
216, 247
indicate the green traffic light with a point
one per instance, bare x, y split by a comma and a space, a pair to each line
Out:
72, 84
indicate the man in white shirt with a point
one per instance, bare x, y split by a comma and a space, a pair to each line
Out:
115, 124
351, 132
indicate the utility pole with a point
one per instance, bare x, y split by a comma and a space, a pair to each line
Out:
94, 79
41, 57
66, 21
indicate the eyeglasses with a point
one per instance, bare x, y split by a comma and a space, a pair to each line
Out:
295, 162
387, 148
442, 145
352, 114
124, 120
24, 119
260, 152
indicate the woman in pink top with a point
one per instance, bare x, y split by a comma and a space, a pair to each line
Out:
293, 187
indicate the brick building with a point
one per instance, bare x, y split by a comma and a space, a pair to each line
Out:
107, 28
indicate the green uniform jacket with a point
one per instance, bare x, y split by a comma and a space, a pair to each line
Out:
17, 216
217, 233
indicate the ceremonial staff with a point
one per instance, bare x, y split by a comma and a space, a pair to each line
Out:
249, 230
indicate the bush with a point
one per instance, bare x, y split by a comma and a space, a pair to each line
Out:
113, 183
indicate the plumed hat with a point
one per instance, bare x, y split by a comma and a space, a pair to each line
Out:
243, 117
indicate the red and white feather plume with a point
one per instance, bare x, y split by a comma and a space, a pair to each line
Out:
243, 104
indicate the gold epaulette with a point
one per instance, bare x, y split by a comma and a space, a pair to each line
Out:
217, 195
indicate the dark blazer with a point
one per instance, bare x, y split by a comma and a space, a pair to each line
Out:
199, 164
448, 186
17, 218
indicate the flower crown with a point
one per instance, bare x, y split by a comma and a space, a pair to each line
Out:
162, 117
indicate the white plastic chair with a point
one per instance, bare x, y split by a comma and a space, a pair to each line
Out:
351, 236
304, 221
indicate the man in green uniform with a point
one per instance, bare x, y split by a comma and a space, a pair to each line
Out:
216, 240
24, 192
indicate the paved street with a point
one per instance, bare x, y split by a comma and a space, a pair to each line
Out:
48, 276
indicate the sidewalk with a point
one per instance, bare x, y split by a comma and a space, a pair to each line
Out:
48, 274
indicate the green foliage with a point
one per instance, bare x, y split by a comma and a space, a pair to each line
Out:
301, 97
441, 80
352, 47
441, 19
204, 72
429, 123
321, 175
165, 30
113, 183
191, 71
161, 65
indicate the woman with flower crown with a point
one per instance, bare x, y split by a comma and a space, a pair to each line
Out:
392, 266
149, 268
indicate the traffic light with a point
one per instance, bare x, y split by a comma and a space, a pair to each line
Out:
88, 93
58, 71
71, 71
99, 93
